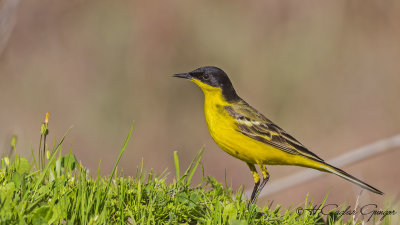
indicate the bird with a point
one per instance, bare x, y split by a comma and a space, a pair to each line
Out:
246, 134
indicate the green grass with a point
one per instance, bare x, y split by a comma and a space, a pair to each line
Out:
61, 191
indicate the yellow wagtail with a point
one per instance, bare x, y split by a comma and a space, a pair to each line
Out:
246, 134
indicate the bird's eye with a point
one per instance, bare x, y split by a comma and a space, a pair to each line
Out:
206, 77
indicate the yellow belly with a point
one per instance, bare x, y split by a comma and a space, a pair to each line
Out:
222, 129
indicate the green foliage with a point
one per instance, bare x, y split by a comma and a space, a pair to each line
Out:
63, 192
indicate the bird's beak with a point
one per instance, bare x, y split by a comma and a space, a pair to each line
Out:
183, 75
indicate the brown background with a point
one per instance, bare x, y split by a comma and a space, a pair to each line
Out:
328, 73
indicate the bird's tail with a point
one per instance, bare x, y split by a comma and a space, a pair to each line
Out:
350, 178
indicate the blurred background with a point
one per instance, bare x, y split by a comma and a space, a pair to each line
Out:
328, 73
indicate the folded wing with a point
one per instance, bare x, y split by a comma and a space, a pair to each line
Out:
255, 125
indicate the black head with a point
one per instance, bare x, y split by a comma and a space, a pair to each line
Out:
214, 77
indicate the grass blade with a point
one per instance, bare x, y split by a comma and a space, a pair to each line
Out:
116, 164
176, 161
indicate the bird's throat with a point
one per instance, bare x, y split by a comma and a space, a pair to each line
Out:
217, 95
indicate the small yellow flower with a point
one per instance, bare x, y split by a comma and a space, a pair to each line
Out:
46, 120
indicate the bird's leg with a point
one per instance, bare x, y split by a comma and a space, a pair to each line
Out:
265, 174
256, 178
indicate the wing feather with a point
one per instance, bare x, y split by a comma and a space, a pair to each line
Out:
255, 125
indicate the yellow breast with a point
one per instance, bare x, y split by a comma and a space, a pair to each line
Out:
223, 129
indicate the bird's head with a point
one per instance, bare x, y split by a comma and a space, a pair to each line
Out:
211, 79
